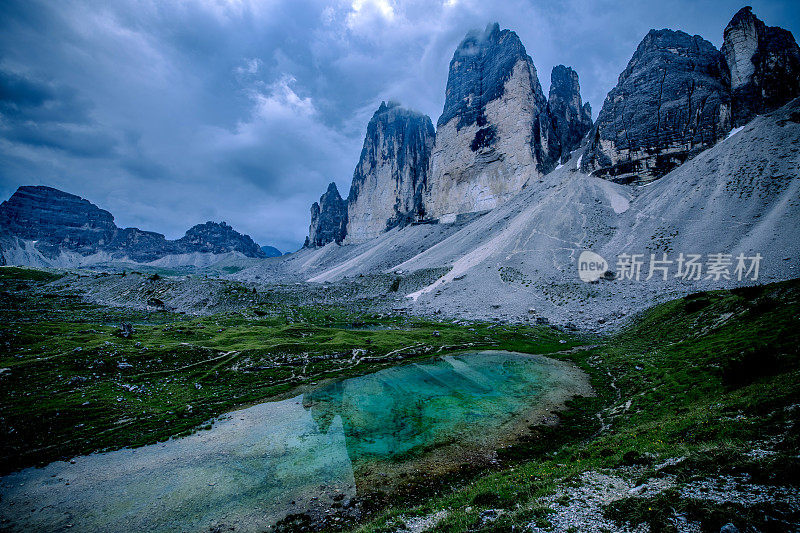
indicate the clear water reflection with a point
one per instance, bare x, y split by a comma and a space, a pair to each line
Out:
259, 464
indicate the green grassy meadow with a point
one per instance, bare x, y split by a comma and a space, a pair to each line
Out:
706, 379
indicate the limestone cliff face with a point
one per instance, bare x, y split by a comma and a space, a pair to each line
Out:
391, 174
678, 96
497, 131
328, 219
764, 65
572, 119
671, 102
57, 219
494, 132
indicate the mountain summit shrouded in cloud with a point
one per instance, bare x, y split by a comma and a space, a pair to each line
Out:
173, 114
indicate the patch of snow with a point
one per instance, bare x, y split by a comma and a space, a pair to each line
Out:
734, 131
578, 164
560, 165
619, 203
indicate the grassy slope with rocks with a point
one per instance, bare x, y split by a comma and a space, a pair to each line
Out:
696, 423
70, 384
694, 420
205, 295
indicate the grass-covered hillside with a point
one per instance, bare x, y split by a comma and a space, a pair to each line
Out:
695, 426
73, 383
694, 422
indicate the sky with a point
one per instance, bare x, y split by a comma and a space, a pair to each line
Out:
172, 113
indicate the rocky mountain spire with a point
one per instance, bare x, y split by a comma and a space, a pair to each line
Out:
391, 174
671, 102
571, 118
497, 130
764, 64
328, 219
494, 132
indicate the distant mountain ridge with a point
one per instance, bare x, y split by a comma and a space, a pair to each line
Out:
55, 222
271, 251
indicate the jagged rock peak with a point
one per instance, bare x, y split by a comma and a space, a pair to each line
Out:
391, 110
764, 63
671, 102
391, 174
479, 70
56, 217
218, 238
495, 131
572, 119
59, 221
385, 107
328, 219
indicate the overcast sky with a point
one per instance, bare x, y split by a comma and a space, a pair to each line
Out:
169, 114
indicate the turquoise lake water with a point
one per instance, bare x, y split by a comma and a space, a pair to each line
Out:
299, 455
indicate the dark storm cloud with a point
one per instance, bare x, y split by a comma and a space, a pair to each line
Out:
18, 94
45, 114
173, 113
